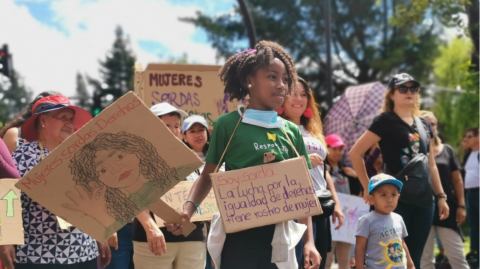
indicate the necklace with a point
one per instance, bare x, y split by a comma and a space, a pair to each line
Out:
40, 144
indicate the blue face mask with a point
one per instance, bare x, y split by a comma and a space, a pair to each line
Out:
265, 119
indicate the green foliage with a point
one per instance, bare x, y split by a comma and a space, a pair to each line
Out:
14, 96
82, 93
366, 47
118, 68
117, 74
456, 111
415, 11
450, 13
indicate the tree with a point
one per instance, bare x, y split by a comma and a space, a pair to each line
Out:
14, 96
456, 111
117, 73
82, 93
449, 13
366, 46
118, 68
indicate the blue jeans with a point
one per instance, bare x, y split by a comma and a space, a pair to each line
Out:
472, 215
123, 257
418, 221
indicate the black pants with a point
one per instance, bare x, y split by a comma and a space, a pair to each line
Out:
92, 264
323, 240
418, 221
250, 249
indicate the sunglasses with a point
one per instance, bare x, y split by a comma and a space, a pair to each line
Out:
404, 89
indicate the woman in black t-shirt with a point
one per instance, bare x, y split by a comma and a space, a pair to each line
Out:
398, 136
448, 230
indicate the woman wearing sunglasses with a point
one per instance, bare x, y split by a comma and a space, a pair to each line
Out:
400, 140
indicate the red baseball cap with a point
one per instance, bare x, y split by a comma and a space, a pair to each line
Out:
48, 104
334, 141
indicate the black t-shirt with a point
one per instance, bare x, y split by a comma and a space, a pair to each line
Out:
399, 142
140, 235
446, 164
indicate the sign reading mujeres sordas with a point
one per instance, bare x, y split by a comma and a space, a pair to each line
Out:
197, 89
265, 194
110, 170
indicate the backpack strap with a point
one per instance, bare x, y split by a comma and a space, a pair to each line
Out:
423, 135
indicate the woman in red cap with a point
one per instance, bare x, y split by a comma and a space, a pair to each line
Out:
53, 119
11, 132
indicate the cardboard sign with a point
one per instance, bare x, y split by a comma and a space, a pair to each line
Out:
110, 170
177, 196
11, 227
265, 194
197, 89
168, 214
353, 208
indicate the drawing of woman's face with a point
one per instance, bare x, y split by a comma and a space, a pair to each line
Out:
117, 169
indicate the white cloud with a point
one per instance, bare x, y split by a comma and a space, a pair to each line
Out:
49, 59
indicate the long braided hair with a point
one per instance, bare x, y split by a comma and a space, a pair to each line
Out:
238, 67
151, 165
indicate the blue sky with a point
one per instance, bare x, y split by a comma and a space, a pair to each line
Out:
54, 39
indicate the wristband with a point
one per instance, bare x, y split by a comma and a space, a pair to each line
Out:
441, 195
195, 204
461, 206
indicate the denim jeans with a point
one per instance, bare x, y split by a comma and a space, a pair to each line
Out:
472, 215
123, 257
418, 221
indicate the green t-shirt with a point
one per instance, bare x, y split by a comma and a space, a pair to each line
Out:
250, 142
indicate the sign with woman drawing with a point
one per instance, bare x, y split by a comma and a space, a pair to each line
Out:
353, 208
110, 170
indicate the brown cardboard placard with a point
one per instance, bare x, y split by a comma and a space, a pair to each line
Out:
170, 215
265, 194
11, 228
177, 196
197, 89
111, 169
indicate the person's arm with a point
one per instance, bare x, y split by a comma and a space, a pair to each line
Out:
443, 210
366, 141
337, 212
309, 250
105, 254
200, 189
7, 166
360, 246
410, 264
10, 139
457, 183
155, 238
372, 157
